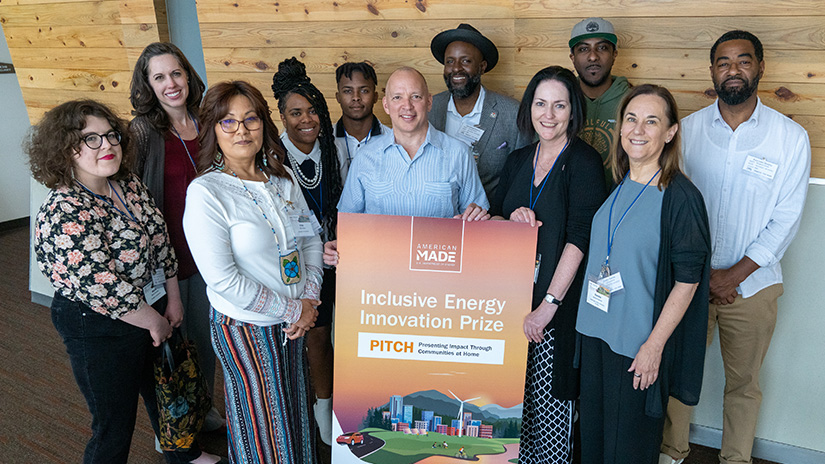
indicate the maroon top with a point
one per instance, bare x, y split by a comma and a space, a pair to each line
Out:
178, 171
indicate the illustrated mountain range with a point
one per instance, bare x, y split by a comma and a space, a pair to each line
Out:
441, 404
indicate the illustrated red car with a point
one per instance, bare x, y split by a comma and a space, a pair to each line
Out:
352, 439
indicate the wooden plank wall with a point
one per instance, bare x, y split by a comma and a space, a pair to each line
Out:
662, 42
77, 48
69, 49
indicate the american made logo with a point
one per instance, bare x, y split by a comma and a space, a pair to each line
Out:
436, 244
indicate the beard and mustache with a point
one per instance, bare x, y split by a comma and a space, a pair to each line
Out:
470, 85
736, 96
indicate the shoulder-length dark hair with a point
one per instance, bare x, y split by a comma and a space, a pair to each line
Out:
142, 96
216, 105
671, 156
53, 142
524, 120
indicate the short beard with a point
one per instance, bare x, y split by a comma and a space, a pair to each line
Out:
736, 96
461, 93
594, 84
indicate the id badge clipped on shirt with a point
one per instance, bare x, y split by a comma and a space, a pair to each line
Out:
472, 133
158, 277
600, 289
305, 224
153, 291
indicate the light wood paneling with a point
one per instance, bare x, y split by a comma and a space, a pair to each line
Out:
77, 14
69, 79
775, 32
369, 34
241, 11
105, 59
89, 46
64, 50
98, 36
325, 60
686, 9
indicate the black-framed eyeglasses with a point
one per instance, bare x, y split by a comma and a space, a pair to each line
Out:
95, 141
230, 126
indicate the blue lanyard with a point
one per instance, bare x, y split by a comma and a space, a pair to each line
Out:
320, 197
109, 200
191, 160
346, 143
610, 236
546, 176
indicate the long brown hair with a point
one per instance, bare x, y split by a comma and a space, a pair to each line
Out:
215, 106
671, 156
143, 98
54, 141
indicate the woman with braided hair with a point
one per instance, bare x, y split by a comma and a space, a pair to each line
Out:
311, 153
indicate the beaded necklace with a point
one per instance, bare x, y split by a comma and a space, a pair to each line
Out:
289, 264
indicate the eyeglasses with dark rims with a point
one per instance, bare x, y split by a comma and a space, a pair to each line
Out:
95, 141
230, 126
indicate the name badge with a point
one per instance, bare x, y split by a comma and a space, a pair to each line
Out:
305, 224
612, 282
152, 292
760, 166
471, 132
158, 277
597, 295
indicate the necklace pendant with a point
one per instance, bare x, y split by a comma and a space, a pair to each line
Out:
290, 268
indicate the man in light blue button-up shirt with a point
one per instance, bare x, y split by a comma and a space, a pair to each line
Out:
414, 170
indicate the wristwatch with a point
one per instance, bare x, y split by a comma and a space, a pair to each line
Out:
552, 299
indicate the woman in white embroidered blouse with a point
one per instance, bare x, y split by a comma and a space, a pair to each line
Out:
245, 225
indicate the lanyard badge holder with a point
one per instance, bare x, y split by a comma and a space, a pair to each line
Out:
599, 288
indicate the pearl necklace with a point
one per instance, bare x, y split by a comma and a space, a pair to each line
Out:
308, 184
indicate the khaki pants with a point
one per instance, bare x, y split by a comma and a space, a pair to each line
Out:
745, 331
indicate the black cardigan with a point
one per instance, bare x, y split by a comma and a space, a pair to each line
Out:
684, 250
574, 191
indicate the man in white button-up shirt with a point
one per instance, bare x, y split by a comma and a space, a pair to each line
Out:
752, 165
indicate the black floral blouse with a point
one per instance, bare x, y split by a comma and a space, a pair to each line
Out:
97, 255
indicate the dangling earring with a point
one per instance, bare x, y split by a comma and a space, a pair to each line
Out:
218, 163
266, 164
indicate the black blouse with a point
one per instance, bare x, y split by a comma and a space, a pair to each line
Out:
574, 191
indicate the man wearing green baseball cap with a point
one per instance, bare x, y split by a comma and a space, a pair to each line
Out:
593, 50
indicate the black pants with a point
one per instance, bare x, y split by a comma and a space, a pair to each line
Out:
614, 427
112, 364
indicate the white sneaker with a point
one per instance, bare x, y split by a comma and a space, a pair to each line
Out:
666, 459
323, 417
213, 421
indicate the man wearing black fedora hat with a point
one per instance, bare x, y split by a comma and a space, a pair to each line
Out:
477, 116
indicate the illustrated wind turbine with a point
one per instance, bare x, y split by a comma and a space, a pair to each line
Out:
461, 410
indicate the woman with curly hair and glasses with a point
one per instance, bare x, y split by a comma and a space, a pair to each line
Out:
102, 242
244, 222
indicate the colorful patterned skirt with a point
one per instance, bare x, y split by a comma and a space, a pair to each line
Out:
267, 393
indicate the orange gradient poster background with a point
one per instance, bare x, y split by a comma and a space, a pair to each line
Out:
427, 305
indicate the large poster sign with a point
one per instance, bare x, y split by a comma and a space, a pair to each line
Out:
429, 348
